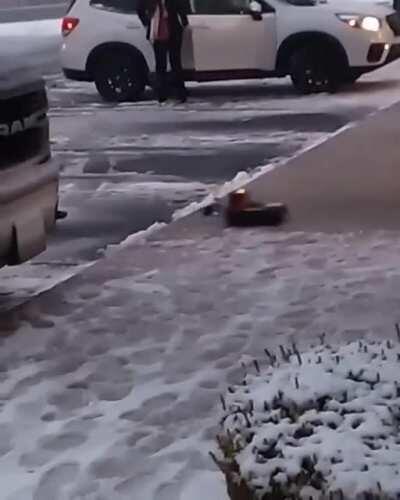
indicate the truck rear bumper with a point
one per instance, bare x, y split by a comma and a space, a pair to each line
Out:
27, 210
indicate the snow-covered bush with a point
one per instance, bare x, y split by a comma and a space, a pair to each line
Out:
322, 424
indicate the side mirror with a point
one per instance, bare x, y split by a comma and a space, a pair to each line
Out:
255, 10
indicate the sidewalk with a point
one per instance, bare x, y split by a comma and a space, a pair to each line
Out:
350, 183
111, 381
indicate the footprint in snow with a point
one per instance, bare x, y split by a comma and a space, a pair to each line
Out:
52, 482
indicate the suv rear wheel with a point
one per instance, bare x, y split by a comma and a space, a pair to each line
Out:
118, 76
312, 70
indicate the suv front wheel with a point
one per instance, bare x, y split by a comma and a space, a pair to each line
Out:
118, 76
313, 71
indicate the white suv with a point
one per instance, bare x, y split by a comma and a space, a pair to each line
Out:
320, 44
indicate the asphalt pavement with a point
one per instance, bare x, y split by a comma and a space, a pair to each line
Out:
127, 166
31, 10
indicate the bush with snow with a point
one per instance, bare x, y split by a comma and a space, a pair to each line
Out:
323, 424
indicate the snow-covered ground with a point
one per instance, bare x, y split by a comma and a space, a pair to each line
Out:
124, 169
111, 386
128, 166
328, 415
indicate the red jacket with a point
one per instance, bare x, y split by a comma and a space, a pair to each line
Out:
178, 11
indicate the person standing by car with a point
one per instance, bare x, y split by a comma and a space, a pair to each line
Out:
165, 21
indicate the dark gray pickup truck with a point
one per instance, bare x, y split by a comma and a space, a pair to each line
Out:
28, 174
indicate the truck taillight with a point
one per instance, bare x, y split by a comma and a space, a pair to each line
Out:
68, 25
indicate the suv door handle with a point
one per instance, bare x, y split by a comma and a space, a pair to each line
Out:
133, 26
201, 27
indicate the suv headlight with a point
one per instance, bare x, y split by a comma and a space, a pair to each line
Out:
367, 23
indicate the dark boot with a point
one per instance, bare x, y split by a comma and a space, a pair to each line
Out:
181, 92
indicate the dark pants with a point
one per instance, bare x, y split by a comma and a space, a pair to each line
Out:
172, 49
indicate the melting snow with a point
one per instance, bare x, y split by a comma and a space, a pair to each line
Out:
136, 238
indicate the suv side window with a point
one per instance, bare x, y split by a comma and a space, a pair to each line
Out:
125, 6
220, 7
70, 5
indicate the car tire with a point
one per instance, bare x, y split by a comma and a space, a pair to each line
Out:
312, 71
118, 76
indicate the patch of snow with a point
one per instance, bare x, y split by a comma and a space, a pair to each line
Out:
18, 283
110, 387
146, 189
139, 238
193, 207
193, 139
59, 141
338, 407
204, 485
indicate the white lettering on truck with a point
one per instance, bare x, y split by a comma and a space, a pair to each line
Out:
16, 126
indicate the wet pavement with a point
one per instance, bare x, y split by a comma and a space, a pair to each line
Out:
124, 167
30, 10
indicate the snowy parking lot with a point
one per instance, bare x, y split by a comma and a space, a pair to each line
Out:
127, 166
112, 385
